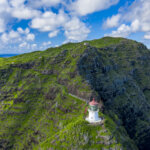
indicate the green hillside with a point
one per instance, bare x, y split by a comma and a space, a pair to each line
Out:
38, 112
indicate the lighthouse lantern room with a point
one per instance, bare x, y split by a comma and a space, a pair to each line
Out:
93, 112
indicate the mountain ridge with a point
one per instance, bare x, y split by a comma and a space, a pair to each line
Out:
35, 105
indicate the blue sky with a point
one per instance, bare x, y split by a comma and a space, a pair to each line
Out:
29, 25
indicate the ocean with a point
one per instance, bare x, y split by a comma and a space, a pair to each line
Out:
7, 55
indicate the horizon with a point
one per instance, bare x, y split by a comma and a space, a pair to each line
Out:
15, 54
29, 26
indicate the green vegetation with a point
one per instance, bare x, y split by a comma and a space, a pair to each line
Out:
37, 112
82, 135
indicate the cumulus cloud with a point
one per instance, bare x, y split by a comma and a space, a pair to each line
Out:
8, 37
13, 34
49, 21
25, 13
27, 46
43, 3
26, 31
75, 30
24, 44
135, 19
4, 14
4, 6
17, 36
125, 30
140, 11
30, 37
2, 25
122, 31
42, 17
45, 44
84, 7
135, 25
53, 33
112, 22
33, 46
17, 3
20, 10
4, 38
17, 9
147, 36
44, 21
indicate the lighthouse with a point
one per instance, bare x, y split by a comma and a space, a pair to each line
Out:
93, 112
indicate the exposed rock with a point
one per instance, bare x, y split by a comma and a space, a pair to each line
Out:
112, 85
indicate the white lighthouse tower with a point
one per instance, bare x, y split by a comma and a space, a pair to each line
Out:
93, 112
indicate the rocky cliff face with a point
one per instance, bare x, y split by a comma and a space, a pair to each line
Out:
120, 75
36, 110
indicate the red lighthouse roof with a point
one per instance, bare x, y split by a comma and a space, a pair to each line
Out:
93, 102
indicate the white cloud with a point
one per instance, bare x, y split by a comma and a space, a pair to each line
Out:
44, 20
53, 33
8, 37
17, 36
75, 30
21, 31
4, 15
84, 7
34, 46
112, 22
17, 3
45, 44
136, 17
10, 9
40, 15
28, 46
147, 36
49, 21
2, 25
4, 6
139, 10
43, 3
122, 31
135, 25
13, 34
25, 13
4, 38
30, 37
24, 44
20, 10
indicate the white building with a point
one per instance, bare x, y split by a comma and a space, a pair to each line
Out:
93, 112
